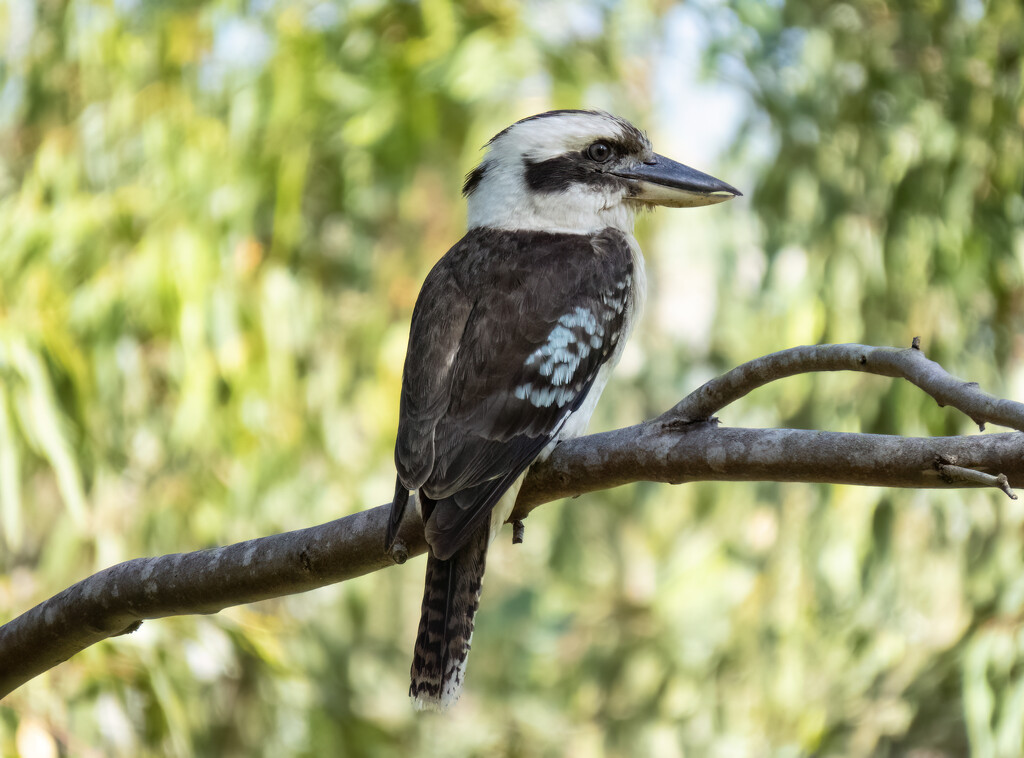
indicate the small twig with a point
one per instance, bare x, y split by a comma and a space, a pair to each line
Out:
399, 552
953, 473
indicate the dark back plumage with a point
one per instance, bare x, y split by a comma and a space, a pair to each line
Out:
529, 319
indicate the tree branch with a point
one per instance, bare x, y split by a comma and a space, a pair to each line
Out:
909, 363
683, 445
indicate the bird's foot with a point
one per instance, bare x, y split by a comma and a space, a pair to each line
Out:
518, 528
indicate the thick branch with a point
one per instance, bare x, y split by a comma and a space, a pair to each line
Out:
668, 449
115, 600
662, 451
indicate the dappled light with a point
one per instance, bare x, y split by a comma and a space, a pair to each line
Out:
213, 225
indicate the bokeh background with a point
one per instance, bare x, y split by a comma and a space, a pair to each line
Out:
214, 219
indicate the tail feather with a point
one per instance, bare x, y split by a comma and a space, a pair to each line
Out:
450, 600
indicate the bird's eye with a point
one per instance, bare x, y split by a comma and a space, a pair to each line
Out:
599, 152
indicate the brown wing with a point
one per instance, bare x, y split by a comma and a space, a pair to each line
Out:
508, 335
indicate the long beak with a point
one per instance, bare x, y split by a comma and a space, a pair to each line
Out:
662, 181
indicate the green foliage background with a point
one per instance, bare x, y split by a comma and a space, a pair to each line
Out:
214, 219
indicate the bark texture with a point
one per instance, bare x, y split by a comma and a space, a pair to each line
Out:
683, 445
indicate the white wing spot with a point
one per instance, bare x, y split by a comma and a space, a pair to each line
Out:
560, 337
561, 354
582, 317
562, 374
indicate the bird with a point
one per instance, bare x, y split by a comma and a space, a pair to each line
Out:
513, 337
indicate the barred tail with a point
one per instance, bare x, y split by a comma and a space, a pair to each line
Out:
450, 599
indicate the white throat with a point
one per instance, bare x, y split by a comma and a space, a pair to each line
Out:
502, 201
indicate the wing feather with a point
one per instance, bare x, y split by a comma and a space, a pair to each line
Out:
508, 336
435, 338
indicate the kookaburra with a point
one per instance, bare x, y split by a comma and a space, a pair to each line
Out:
513, 337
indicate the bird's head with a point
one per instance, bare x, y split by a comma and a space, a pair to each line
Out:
579, 172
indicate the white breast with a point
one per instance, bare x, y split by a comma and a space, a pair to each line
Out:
576, 424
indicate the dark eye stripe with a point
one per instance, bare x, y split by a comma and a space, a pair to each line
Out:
558, 174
